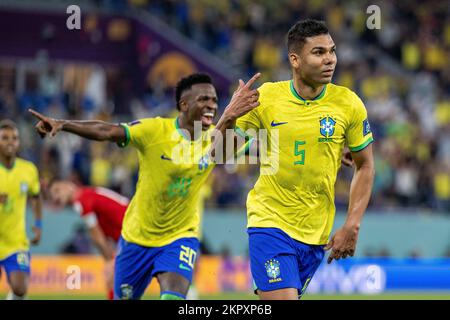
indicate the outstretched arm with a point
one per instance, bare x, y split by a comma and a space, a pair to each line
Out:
244, 100
93, 130
343, 242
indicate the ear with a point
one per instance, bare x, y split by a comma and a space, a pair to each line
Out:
294, 59
183, 106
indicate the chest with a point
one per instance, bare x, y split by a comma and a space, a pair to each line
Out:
14, 183
315, 125
179, 158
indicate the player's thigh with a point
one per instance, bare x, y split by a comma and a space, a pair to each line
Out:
173, 282
175, 265
17, 268
18, 281
280, 294
133, 269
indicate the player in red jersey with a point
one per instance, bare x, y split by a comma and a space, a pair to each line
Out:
102, 210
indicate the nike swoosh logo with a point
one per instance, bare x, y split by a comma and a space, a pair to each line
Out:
182, 266
274, 124
165, 158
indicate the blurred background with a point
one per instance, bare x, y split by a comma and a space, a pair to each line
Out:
123, 64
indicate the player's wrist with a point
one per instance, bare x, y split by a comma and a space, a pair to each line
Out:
38, 223
352, 225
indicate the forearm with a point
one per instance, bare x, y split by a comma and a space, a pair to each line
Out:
100, 242
220, 139
360, 191
36, 206
93, 130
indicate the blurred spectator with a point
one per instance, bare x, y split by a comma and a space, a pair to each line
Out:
79, 243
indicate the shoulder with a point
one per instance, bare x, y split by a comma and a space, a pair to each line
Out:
342, 92
146, 123
26, 165
273, 88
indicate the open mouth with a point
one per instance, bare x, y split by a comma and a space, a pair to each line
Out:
207, 118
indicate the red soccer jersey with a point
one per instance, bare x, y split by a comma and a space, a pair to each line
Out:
103, 207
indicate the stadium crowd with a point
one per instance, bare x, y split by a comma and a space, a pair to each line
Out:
401, 71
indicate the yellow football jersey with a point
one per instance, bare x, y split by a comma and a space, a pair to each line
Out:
172, 171
17, 183
295, 189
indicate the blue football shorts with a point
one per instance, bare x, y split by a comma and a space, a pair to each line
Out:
277, 261
136, 265
19, 261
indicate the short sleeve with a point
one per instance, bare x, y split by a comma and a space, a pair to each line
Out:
359, 134
139, 133
35, 186
84, 207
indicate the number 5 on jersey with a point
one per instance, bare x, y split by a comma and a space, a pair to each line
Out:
299, 152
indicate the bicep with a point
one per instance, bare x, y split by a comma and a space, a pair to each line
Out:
364, 157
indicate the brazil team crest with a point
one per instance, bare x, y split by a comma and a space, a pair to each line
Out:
327, 125
203, 163
273, 270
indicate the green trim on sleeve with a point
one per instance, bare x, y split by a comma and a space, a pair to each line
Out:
240, 132
127, 136
365, 144
244, 150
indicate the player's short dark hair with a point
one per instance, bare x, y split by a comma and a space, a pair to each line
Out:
187, 82
303, 29
8, 124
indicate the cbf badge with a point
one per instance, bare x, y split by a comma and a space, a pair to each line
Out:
22, 260
127, 291
273, 270
327, 126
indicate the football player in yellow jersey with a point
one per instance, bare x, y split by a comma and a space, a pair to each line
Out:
160, 230
19, 179
291, 209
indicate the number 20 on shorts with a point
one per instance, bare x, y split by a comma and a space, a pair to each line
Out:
188, 255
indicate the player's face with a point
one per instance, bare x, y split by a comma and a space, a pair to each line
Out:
316, 61
60, 194
201, 104
9, 142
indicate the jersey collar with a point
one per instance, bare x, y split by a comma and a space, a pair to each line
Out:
8, 169
295, 93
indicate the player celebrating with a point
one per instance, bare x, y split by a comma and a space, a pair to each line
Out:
19, 179
160, 229
291, 212
102, 210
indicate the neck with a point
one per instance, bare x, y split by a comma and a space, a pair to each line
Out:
306, 90
7, 162
185, 125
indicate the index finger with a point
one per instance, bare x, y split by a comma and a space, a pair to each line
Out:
37, 115
252, 80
